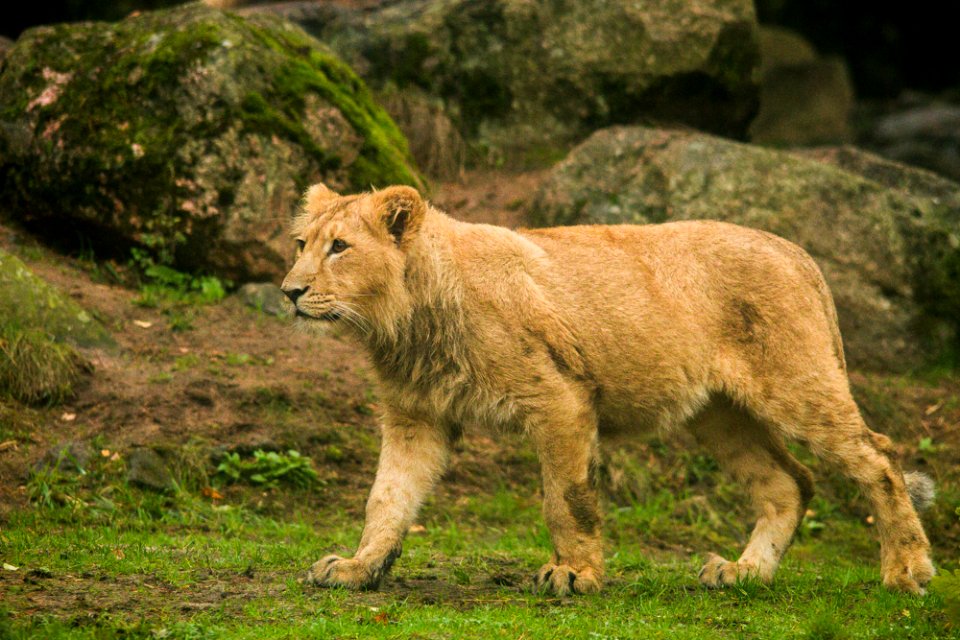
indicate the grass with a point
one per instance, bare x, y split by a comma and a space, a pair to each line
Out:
105, 560
35, 369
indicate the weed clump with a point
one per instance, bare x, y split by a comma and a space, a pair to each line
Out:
34, 369
269, 469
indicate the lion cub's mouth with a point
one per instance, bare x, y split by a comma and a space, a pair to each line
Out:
328, 316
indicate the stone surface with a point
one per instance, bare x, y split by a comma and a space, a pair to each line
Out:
804, 100
189, 131
529, 76
267, 297
147, 468
5, 45
889, 249
66, 457
926, 135
781, 47
435, 142
28, 302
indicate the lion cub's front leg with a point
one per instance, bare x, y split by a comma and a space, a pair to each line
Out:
412, 457
567, 448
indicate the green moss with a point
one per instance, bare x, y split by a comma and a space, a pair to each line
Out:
29, 302
384, 158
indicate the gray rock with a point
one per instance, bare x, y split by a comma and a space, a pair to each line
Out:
805, 104
781, 47
927, 136
190, 131
891, 254
28, 301
5, 45
66, 457
520, 78
146, 468
804, 100
267, 297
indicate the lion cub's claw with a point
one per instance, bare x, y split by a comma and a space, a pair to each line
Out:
563, 580
718, 572
334, 571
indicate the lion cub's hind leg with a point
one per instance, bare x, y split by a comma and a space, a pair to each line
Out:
779, 488
826, 418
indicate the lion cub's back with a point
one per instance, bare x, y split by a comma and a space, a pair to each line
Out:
659, 307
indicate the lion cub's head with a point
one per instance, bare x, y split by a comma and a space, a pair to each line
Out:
351, 254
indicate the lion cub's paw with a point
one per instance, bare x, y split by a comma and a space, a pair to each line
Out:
562, 580
718, 572
909, 571
334, 571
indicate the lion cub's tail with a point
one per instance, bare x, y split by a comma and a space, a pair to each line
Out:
921, 488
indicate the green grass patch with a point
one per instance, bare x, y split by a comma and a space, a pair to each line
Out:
113, 561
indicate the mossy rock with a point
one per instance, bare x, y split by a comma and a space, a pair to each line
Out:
886, 236
39, 330
28, 301
191, 131
524, 77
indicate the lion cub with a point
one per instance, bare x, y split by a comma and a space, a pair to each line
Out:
568, 334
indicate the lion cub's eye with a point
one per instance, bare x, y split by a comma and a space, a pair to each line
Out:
301, 244
338, 246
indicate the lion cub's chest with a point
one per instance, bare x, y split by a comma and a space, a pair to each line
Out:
458, 405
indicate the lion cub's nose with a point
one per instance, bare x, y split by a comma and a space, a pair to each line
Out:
293, 292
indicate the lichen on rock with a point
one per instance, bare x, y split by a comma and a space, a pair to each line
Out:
190, 131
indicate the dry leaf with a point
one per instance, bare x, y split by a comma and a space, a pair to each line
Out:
933, 408
211, 493
382, 618
9, 444
105, 453
417, 530
68, 417
143, 324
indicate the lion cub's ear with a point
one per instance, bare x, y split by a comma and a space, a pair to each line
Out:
317, 196
402, 210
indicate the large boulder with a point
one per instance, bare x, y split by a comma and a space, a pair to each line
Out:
804, 99
190, 131
925, 134
889, 247
522, 75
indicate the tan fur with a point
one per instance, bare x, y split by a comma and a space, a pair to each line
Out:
572, 334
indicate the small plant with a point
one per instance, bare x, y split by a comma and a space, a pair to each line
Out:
947, 586
269, 469
50, 487
165, 285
